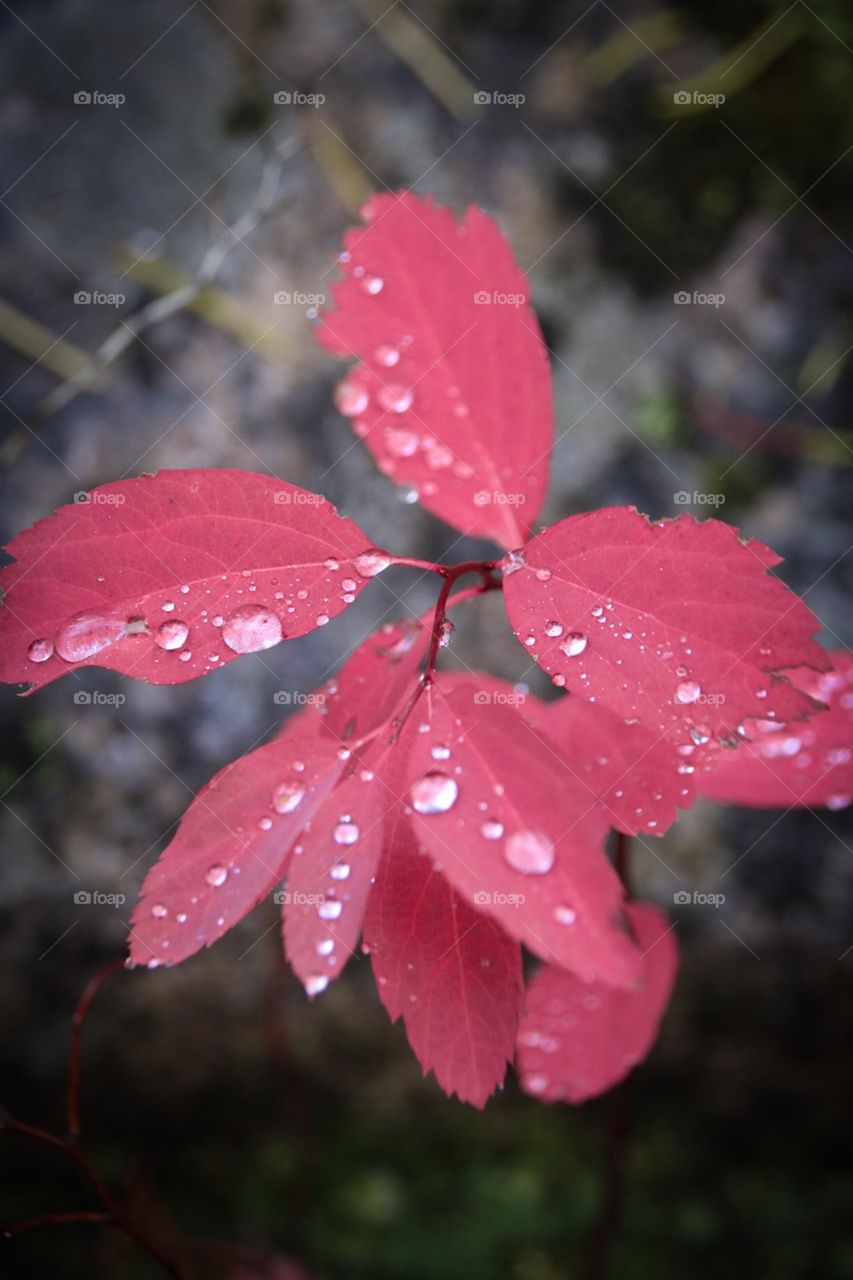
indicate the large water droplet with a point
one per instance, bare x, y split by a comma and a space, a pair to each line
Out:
171, 634
530, 852
87, 634
288, 797
350, 398
574, 644
40, 650
434, 793
369, 563
252, 628
688, 691
395, 397
216, 875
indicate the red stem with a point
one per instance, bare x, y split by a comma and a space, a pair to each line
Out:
77, 1020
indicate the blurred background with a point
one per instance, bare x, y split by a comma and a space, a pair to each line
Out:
176, 178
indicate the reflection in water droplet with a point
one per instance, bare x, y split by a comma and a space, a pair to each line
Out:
171, 634
395, 397
251, 629
351, 399
369, 563
530, 852
87, 634
40, 650
434, 793
574, 644
288, 797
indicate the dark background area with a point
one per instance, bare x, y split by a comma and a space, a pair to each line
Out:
226, 1110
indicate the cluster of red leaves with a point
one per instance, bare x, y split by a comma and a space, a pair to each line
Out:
447, 820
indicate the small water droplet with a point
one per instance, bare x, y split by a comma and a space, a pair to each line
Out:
340, 871
395, 398
492, 829
346, 832
159, 910
330, 909
530, 852
688, 691
316, 983
372, 285
350, 398
434, 793
386, 355
288, 797
40, 650
574, 644
553, 629
216, 875
564, 914
172, 634
252, 628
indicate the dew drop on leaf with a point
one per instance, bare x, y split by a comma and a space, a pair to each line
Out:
216, 875
171, 634
574, 644
492, 829
530, 852
84, 636
251, 629
40, 650
288, 797
330, 909
688, 691
316, 983
369, 563
350, 398
346, 832
395, 398
387, 356
434, 793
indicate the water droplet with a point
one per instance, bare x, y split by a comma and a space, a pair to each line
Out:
434, 793
172, 634
535, 1084
325, 946
316, 983
332, 564
346, 832
322, 619
252, 628
288, 797
564, 914
265, 824
688, 691
401, 442
159, 911
372, 285
574, 644
838, 802
350, 398
330, 909
530, 852
395, 397
440, 753
40, 650
87, 634
340, 871
512, 562
542, 575
386, 355
553, 629
492, 829
216, 875
370, 563
700, 734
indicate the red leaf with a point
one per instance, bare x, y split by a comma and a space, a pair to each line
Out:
674, 623
515, 833
378, 676
453, 395
231, 847
638, 776
804, 765
579, 1039
452, 974
167, 577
